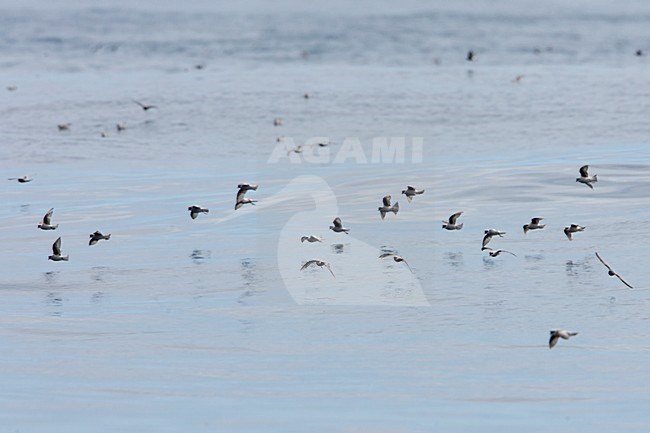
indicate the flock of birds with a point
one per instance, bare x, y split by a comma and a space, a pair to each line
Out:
337, 225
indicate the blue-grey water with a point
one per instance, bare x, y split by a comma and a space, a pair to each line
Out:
208, 325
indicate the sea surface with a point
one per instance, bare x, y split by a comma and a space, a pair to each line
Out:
180, 325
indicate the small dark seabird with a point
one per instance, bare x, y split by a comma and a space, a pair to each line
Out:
411, 192
585, 178
278, 121
143, 106
319, 263
243, 187
556, 334
46, 223
495, 253
573, 228
23, 179
451, 224
396, 258
338, 226
306, 96
611, 272
534, 225
12, 88
120, 126
311, 239
387, 207
488, 236
297, 149
64, 126
470, 55
638, 53
98, 236
196, 210
56, 252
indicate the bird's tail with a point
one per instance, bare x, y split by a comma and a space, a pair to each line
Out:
459, 226
107, 237
571, 334
595, 178
395, 208
65, 258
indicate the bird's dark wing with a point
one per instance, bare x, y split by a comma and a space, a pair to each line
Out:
536, 220
553, 340
486, 239
48, 217
387, 201
240, 194
307, 264
386, 255
454, 217
623, 281
337, 222
584, 171
56, 247
603, 262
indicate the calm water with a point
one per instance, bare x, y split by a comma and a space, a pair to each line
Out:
180, 325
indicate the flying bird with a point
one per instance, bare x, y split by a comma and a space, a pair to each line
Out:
488, 236
611, 272
23, 179
120, 126
396, 258
196, 210
411, 192
243, 187
573, 228
297, 149
278, 121
387, 207
338, 226
56, 252
143, 106
63, 126
319, 263
311, 239
470, 55
495, 253
585, 178
534, 225
46, 223
98, 236
451, 224
556, 334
